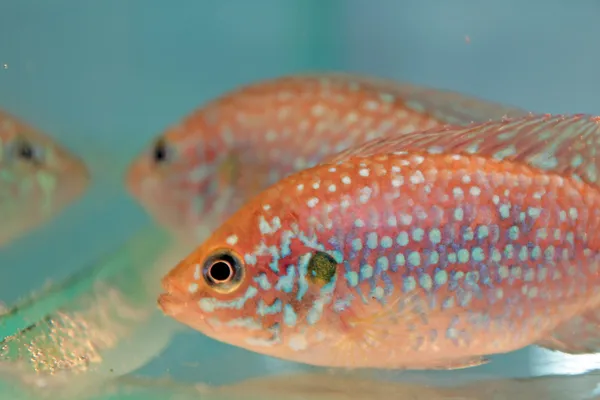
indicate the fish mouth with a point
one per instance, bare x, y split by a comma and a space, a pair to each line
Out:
77, 179
133, 176
172, 304
173, 301
167, 303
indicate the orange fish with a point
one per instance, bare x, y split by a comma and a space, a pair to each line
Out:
201, 170
38, 178
426, 251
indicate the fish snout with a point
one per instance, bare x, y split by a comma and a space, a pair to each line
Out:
75, 180
169, 304
172, 302
177, 294
133, 177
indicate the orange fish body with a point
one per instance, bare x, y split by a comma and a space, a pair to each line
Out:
426, 251
203, 169
38, 178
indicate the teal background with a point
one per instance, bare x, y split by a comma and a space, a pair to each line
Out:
106, 77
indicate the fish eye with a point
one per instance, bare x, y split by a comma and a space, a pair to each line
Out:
223, 271
25, 150
159, 151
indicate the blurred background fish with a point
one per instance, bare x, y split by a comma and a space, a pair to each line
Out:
199, 171
38, 178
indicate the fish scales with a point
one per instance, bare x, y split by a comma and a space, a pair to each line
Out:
443, 256
233, 147
435, 250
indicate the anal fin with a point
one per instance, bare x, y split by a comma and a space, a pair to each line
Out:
579, 335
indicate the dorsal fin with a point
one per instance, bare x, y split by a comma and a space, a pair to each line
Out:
562, 144
444, 105
448, 106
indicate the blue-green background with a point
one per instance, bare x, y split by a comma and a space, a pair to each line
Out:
104, 77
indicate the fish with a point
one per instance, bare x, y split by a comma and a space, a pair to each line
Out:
429, 251
39, 178
203, 168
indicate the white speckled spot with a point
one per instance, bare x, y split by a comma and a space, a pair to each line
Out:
298, 343
372, 240
402, 239
232, 240
409, 284
425, 282
441, 277
386, 242
352, 278
458, 214
417, 178
378, 293
318, 110
435, 236
475, 191
457, 192
206, 305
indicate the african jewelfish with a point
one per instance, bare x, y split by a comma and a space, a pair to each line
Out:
426, 251
201, 170
38, 178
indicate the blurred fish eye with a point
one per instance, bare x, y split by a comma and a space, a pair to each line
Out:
223, 271
25, 150
159, 151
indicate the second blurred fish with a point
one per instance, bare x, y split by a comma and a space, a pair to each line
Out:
38, 178
202, 169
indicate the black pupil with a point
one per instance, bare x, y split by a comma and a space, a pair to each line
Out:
25, 151
160, 151
221, 271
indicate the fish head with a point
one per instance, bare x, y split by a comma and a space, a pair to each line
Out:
38, 177
192, 177
241, 285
